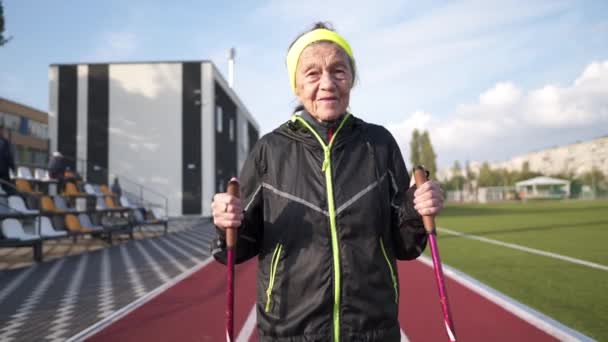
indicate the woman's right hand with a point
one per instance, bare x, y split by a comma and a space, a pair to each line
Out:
227, 211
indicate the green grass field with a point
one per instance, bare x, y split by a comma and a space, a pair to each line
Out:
573, 294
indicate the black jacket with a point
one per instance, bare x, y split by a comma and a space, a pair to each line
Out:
327, 264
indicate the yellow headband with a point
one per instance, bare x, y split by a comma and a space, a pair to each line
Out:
293, 55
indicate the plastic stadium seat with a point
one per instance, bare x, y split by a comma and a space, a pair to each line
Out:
12, 229
110, 203
89, 189
105, 190
4, 208
23, 185
73, 225
47, 204
158, 213
71, 190
24, 172
85, 222
61, 205
47, 230
69, 174
124, 202
101, 204
16, 203
41, 174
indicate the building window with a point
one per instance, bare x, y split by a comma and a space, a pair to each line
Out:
219, 121
231, 130
24, 128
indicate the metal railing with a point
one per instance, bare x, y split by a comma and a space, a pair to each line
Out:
133, 190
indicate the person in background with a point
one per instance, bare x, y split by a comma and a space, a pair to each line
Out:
57, 166
327, 209
116, 188
7, 163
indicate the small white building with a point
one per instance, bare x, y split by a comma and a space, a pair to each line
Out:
543, 187
175, 127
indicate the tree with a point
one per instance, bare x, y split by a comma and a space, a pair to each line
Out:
427, 154
2, 39
415, 148
595, 179
468, 173
487, 176
457, 177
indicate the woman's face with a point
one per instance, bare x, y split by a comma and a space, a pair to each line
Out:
323, 80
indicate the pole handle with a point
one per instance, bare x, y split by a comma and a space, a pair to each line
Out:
421, 177
232, 189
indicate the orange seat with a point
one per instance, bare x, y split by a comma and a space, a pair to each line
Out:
69, 174
105, 190
110, 203
73, 225
70, 189
23, 185
47, 204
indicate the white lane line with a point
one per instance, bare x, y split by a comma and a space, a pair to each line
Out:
158, 270
136, 284
526, 313
172, 244
201, 236
190, 245
526, 249
404, 337
20, 317
247, 329
65, 314
168, 256
15, 283
97, 327
105, 301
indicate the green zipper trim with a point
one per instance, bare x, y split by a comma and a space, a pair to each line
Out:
332, 216
274, 262
390, 267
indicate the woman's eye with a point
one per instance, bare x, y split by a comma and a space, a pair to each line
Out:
340, 73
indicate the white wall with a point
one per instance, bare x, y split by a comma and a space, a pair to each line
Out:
53, 99
208, 133
82, 116
145, 142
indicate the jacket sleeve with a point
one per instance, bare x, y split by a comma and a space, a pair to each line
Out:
409, 235
250, 233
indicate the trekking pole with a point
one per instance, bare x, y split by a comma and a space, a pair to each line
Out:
420, 176
233, 189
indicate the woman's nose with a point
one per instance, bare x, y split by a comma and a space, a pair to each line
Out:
326, 81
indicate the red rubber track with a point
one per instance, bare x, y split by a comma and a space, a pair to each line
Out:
193, 310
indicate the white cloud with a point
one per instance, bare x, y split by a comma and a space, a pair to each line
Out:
508, 120
408, 55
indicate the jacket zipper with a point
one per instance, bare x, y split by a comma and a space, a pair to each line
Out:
274, 262
390, 268
326, 168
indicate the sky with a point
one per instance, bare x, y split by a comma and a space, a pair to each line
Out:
489, 80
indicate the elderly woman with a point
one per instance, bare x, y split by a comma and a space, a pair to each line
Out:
326, 209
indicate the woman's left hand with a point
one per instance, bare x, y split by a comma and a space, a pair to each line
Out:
428, 199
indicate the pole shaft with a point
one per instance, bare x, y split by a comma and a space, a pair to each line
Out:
420, 177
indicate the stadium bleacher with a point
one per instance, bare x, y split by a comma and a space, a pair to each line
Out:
39, 209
